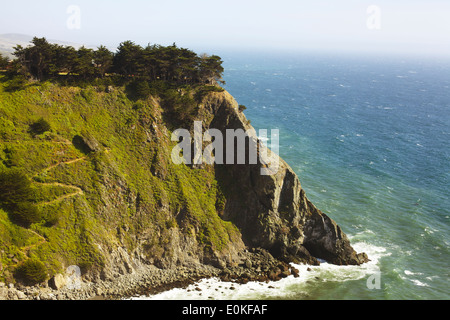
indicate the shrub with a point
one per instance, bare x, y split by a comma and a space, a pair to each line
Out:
32, 272
17, 83
39, 127
15, 197
142, 89
138, 89
15, 187
87, 94
204, 90
138, 105
242, 107
25, 213
179, 109
158, 87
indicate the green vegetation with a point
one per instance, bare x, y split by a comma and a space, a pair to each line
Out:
39, 127
25, 213
4, 61
85, 166
203, 91
32, 272
15, 197
44, 60
14, 187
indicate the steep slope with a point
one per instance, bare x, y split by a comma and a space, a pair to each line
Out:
109, 196
111, 200
272, 211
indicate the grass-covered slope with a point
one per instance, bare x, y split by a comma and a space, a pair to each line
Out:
100, 177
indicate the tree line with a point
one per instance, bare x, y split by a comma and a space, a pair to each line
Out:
45, 60
4, 62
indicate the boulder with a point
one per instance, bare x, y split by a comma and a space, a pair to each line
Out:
58, 281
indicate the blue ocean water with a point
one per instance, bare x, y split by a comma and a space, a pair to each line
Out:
369, 140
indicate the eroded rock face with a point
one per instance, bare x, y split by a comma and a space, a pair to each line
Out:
272, 211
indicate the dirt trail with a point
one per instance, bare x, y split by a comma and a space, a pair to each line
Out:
25, 250
62, 162
77, 190
64, 196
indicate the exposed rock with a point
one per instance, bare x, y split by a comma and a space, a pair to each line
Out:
58, 281
272, 211
3, 293
86, 143
325, 239
21, 295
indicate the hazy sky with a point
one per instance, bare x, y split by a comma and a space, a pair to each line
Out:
386, 25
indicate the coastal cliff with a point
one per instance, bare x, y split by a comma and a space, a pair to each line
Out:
272, 211
111, 202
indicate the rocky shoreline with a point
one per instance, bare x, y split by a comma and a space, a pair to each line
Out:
257, 265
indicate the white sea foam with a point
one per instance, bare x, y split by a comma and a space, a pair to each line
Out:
410, 273
419, 283
215, 289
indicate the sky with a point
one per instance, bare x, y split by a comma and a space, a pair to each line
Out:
419, 26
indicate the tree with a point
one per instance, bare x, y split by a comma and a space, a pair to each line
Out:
128, 60
211, 69
65, 59
38, 59
84, 63
4, 62
103, 60
188, 63
154, 62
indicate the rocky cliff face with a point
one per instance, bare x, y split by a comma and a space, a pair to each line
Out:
112, 202
272, 211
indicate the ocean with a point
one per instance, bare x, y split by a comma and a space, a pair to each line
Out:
369, 138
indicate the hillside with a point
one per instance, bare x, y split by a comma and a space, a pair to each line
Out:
108, 198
